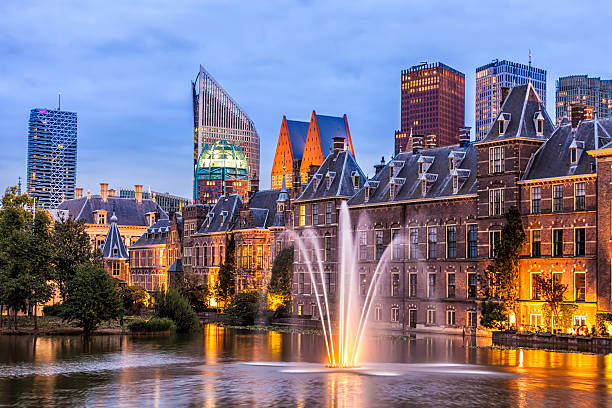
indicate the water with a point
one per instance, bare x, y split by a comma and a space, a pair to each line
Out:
226, 367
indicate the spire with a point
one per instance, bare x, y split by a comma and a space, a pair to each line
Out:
283, 195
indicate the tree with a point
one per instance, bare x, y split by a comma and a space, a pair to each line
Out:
135, 299
227, 273
243, 308
191, 286
281, 279
552, 292
40, 252
72, 247
91, 297
503, 274
493, 315
175, 306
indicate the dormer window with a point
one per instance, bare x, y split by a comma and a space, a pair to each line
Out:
423, 187
424, 163
451, 163
392, 191
101, 218
223, 217
574, 155
317, 180
503, 122
356, 179
576, 149
538, 122
366, 196
455, 184
115, 252
329, 179
421, 168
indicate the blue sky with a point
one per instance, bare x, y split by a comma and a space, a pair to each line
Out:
125, 67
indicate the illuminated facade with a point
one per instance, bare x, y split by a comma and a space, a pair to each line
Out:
432, 102
216, 116
491, 79
52, 156
580, 89
289, 151
221, 169
149, 258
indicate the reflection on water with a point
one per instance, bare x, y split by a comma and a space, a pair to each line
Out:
209, 370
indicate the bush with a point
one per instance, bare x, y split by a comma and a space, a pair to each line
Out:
175, 306
281, 311
156, 324
135, 299
52, 310
494, 314
243, 308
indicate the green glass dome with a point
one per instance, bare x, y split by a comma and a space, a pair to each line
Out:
222, 159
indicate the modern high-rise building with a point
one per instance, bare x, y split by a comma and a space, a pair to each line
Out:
168, 202
580, 89
52, 156
433, 102
497, 77
216, 116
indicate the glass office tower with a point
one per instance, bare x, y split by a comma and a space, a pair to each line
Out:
580, 89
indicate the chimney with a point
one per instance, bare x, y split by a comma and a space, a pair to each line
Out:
111, 192
104, 191
417, 143
378, 167
430, 141
464, 136
338, 144
78, 192
88, 194
505, 91
138, 192
311, 171
580, 112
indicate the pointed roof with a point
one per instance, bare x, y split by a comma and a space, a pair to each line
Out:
113, 247
330, 127
297, 137
521, 107
156, 234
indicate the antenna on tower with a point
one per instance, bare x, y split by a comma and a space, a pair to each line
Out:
530, 58
59, 100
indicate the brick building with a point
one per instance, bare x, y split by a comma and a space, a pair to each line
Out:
149, 260
114, 253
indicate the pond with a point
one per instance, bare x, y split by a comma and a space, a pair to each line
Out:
224, 367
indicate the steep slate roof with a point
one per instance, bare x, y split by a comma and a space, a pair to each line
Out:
553, 158
441, 185
343, 165
156, 234
330, 127
263, 207
228, 206
177, 266
128, 210
522, 103
113, 247
297, 135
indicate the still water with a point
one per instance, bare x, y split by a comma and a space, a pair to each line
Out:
227, 367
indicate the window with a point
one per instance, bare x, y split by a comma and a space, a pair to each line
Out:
328, 243
412, 318
450, 285
472, 248
259, 256
494, 240
116, 269
412, 287
536, 198
455, 183
301, 283
580, 321
414, 243
579, 242
378, 313
471, 318
557, 242
300, 310
450, 317
580, 285
451, 241
431, 285
540, 126
431, 316
574, 155
396, 246
302, 215
395, 282
363, 245
315, 214
496, 159
496, 201
432, 241
328, 213
395, 314
579, 196
535, 291
362, 284
101, 218
330, 282
313, 310
558, 197
380, 248
536, 243
471, 288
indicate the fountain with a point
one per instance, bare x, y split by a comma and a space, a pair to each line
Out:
344, 344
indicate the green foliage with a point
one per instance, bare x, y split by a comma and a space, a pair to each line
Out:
175, 306
191, 286
567, 311
493, 315
552, 292
503, 274
52, 310
243, 308
227, 273
281, 279
602, 321
71, 247
92, 297
156, 324
135, 300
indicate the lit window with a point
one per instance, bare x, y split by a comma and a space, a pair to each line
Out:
580, 196
536, 196
496, 201
302, 215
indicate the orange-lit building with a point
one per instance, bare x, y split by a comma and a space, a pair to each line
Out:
289, 151
149, 260
115, 254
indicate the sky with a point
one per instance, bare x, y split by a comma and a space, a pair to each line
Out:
126, 68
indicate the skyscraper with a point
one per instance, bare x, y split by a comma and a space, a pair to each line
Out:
580, 89
433, 102
216, 116
490, 81
52, 156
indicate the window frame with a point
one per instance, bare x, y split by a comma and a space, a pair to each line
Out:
451, 245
